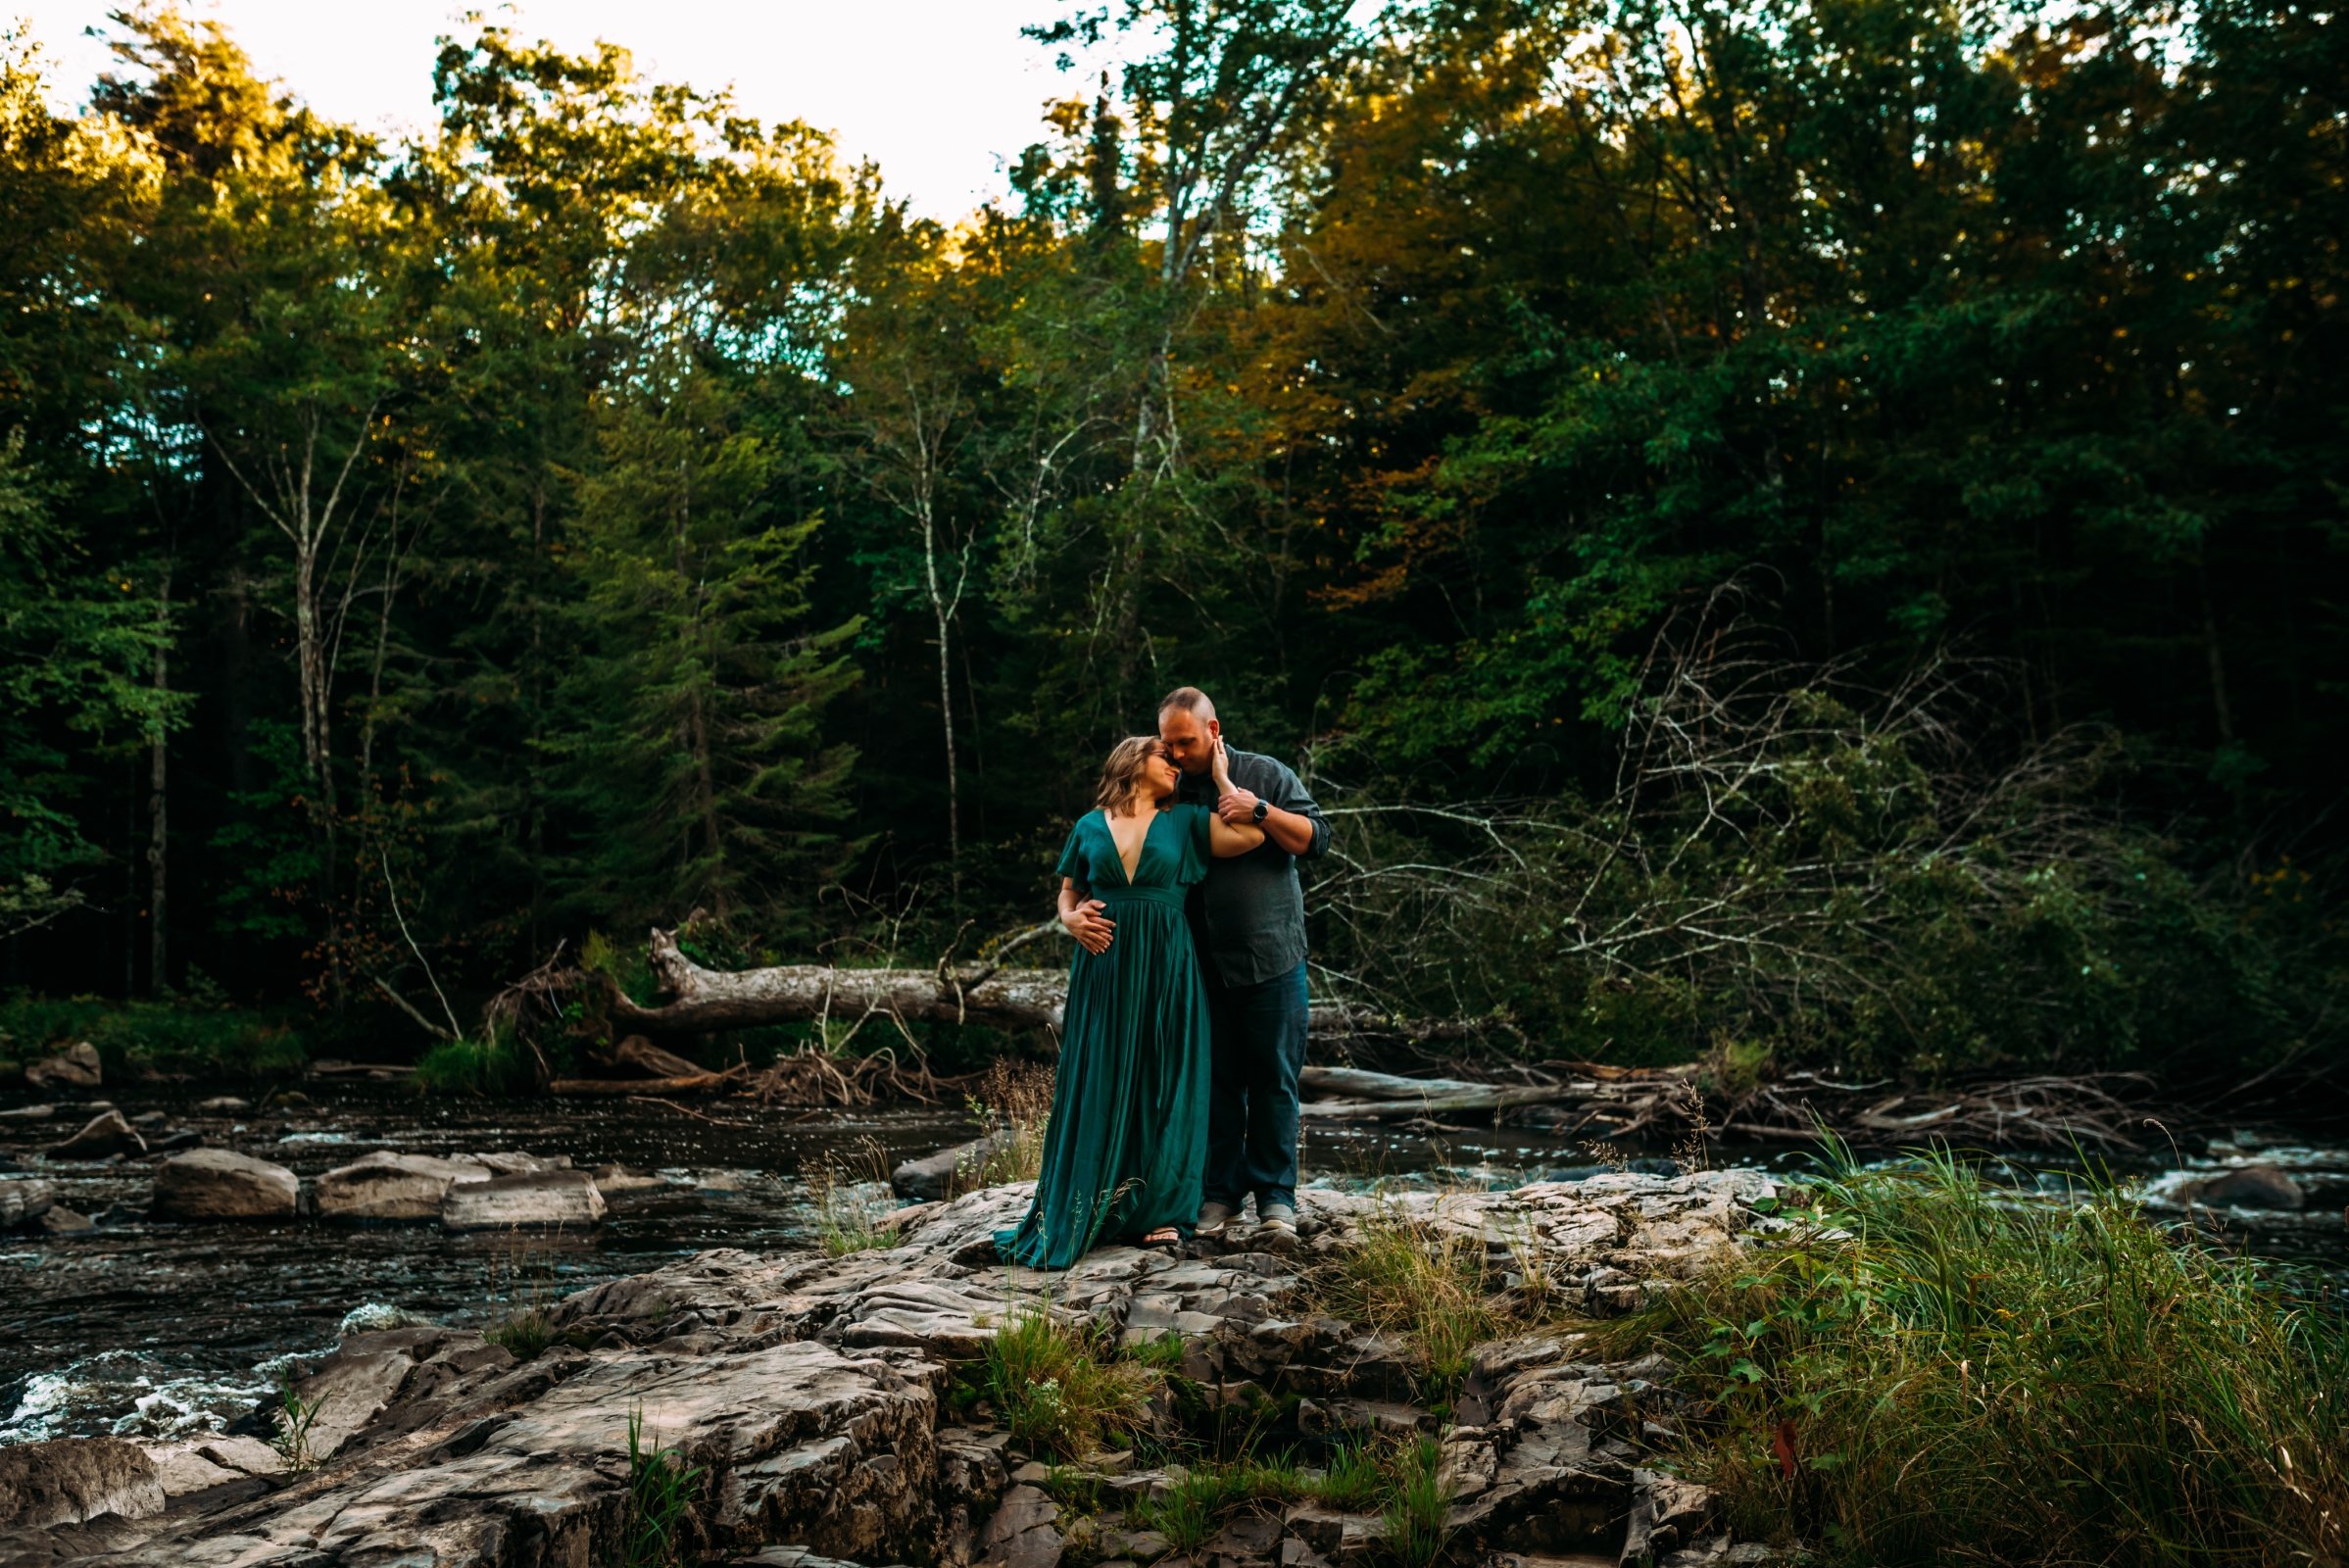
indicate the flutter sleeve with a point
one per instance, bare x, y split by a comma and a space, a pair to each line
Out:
1073, 863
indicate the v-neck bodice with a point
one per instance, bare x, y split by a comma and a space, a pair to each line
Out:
1174, 854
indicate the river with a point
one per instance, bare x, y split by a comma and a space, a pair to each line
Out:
146, 1328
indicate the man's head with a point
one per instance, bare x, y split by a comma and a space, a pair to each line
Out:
1188, 724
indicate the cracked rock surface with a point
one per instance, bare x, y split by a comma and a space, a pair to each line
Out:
811, 1393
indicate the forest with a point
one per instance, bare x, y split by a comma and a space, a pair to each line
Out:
1789, 532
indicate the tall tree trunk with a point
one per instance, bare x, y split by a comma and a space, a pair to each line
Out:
944, 610
158, 813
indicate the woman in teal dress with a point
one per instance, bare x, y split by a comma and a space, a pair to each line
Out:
1128, 1136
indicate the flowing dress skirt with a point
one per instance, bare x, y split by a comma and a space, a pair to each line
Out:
1128, 1138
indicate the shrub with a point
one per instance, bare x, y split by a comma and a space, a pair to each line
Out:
1932, 1371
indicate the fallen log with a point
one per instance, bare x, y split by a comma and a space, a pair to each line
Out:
699, 1000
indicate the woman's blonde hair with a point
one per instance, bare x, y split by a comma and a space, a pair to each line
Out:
1121, 774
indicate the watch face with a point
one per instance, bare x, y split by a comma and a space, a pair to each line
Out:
1260, 810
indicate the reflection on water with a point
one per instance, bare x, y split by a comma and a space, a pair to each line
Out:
144, 1328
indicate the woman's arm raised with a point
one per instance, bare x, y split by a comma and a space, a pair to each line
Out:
1227, 839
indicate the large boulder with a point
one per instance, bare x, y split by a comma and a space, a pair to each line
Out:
211, 1184
932, 1176
542, 1200
70, 1480
23, 1200
75, 1068
387, 1186
2251, 1186
102, 1137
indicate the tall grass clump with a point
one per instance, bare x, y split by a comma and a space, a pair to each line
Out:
1435, 1289
660, 1527
1014, 1104
1932, 1371
1061, 1389
849, 1190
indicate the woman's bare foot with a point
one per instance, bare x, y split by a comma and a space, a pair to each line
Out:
1163, 1235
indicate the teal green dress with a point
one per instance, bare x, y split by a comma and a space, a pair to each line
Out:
1128, 1139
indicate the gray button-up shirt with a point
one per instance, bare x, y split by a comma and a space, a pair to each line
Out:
1248, 916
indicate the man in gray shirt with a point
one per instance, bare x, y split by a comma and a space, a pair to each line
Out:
1248, 920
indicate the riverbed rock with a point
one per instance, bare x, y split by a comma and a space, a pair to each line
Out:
2251, 1186
27, 1113
390, 1186
60, 1221
214, 1183
102, 1137
542, 1200
72, 1480
513, 1162
809, 1387
24, 1200
222, 1105
933, 1175
77, 1068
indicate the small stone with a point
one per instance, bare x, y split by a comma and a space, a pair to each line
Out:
103, 1137
27, 1113
214, 1184
24, 1200
65, 1222
1035, 1473
552, 1198
149, 1118
223, 1106
77, 1067
179, 1138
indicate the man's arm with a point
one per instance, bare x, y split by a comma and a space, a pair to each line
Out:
1290, 818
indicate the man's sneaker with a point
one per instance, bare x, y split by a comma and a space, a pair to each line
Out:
1277, 1221
1215, 1219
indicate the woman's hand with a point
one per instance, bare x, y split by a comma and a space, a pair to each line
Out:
1221, 767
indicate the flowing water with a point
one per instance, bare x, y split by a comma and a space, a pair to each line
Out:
145, 1328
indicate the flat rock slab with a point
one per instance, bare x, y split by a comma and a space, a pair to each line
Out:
391, 1186
214, 1184
71, 1479
805, 1444
538, 1200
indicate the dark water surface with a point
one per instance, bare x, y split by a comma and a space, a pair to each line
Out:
144, 1328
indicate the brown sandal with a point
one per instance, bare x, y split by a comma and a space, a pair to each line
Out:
1163, 1235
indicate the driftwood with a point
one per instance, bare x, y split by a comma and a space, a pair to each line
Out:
2041, 1112
697, 1082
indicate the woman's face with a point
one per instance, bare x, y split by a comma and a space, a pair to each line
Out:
1159, 774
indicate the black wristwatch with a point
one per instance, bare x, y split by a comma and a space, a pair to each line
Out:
1261, 809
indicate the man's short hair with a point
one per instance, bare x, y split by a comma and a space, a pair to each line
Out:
1191, 699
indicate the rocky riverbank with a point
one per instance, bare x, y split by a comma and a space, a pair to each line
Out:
824, 1405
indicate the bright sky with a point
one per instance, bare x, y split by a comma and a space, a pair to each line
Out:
942, 94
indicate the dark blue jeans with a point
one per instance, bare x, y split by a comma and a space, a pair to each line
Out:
1260, 1033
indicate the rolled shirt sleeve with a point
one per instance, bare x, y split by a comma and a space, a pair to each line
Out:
1289, 794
